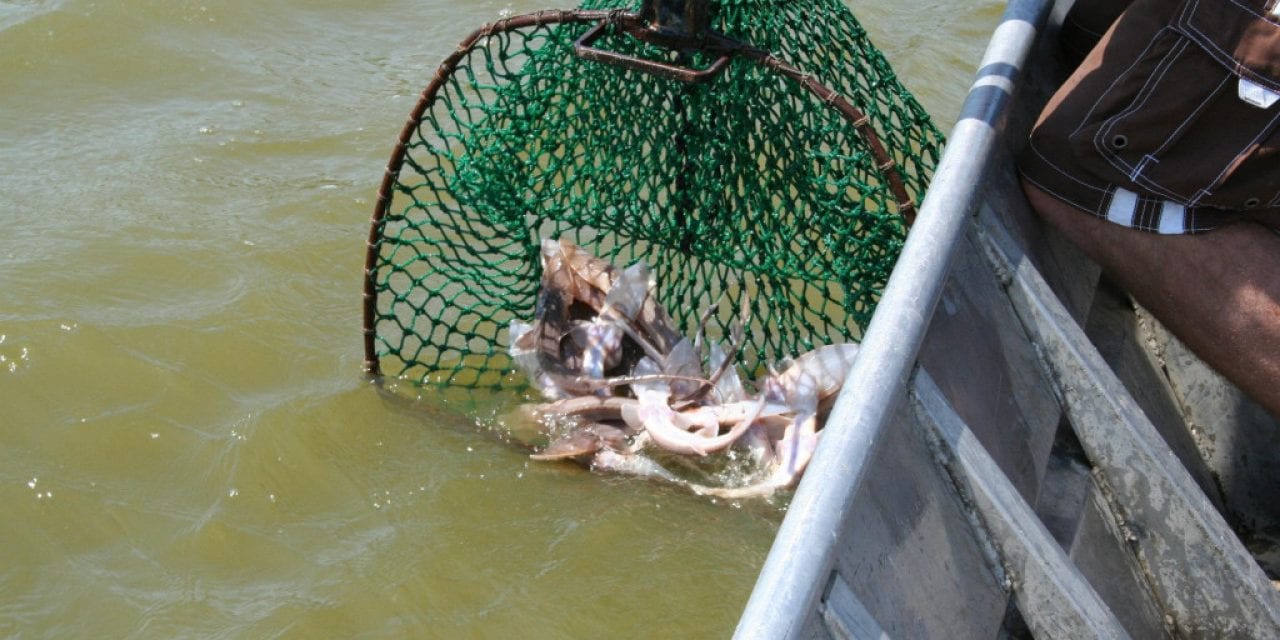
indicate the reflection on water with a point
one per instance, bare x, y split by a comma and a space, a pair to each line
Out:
187, 446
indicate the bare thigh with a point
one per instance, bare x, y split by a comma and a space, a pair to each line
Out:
1219, 292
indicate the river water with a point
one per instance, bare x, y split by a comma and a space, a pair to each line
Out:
188, 447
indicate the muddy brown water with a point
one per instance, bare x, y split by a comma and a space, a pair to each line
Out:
188, 447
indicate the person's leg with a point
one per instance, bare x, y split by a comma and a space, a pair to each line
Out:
1219, 292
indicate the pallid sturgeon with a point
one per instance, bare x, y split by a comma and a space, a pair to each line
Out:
604, 351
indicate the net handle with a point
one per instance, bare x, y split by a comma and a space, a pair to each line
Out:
583, 49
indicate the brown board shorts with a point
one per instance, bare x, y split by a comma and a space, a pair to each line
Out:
1169, 124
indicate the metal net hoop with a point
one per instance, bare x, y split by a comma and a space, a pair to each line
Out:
756, 182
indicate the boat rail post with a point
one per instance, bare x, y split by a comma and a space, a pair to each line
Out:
800, 561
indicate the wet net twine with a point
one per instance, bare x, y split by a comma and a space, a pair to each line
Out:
747, 186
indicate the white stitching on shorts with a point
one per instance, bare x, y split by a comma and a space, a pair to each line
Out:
1184, 21
1200, 107
1218, 178
1103, 94
1139, 101
1191, 116
1068, 175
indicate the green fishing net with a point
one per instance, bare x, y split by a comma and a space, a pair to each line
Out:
745, 186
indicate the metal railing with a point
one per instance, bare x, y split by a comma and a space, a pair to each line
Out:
800, 562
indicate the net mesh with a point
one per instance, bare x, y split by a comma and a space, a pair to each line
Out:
743, 187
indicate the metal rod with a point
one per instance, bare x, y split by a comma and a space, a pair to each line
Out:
803, 553
584, 48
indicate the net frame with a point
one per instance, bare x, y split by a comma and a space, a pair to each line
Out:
718, 47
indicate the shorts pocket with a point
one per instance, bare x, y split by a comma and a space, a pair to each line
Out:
1173, 123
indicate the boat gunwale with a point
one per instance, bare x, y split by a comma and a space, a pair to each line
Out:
799, 563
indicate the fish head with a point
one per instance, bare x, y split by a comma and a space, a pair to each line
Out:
593, 277
578, 443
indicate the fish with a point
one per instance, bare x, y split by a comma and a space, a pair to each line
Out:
720, 362
584, 440
784, 459
599, 347
685, 367
791, 453
633, 303
591, 277
758, 445
607, 356
728, 385
800, 438
591, 407
673, 430
523, 350
634, 464
827, 365
571, 290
